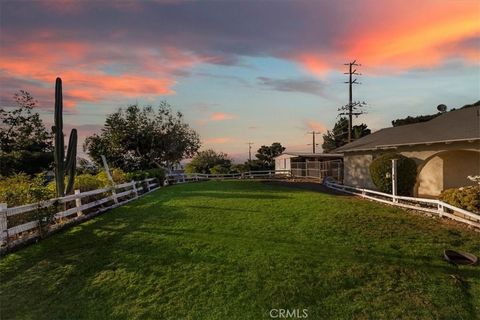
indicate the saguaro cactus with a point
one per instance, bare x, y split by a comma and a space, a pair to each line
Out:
63, 166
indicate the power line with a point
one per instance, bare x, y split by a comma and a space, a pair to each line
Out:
250, 150
352, 108
313, 144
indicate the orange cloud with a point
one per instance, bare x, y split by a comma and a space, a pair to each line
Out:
398, 38
315, 126
314, 63
83, 68
221, 116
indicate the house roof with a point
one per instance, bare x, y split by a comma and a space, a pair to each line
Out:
312, 155
457, 125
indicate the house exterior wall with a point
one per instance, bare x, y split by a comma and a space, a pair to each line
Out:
447, 169
283, 162
356, 170
440, 166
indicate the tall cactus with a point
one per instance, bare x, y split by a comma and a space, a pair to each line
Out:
63, 166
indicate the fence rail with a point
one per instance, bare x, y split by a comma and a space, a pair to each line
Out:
434, 206
37, 214
187, 177
31, 221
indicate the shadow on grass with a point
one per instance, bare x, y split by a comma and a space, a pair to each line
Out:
145, 239
233, 195
311, 186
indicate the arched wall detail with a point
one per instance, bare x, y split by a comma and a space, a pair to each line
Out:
446, 169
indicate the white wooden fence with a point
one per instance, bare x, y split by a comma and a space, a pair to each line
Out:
113, 196
434, 206
264, 174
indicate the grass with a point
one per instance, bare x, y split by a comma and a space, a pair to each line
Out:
235, 250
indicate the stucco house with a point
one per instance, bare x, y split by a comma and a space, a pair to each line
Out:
446, 150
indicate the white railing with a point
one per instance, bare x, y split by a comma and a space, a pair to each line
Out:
113, 196
187, 177
422, 204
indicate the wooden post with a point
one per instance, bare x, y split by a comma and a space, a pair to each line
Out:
3, 223
78, 203
441, 209
147, 184
394, 180
107, 170
134, 187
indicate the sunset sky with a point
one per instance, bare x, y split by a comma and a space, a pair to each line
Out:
240, 71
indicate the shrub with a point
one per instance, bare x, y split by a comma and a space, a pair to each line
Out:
139, 175
25, 161
158, 173
87, 182
20, 189
118, 176
381, 168
467, 198
136, 175
219, 169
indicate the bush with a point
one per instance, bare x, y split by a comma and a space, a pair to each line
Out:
20, 189
25, 161
136, 175
145, 174
87, 182
467, 198
219, 169
381, 168
118, 177
158, 173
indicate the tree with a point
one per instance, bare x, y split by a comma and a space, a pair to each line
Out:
25, 144
209, 161
266, 155
141, 138
424, 118
21, 128
339, 135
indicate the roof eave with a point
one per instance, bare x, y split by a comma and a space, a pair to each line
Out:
395, 146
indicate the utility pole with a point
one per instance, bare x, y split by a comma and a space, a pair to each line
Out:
250, 150
352, 108
313, 144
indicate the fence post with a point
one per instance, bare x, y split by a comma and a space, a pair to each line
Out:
147, 184
394, 180
440, 209
78, 203
114, 194
3, 223
134, 187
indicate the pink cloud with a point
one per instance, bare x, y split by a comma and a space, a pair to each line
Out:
84, 67
218, 140
221, 116
315, 126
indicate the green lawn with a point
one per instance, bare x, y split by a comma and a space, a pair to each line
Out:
235, 250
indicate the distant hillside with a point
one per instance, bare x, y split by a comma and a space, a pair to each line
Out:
423, 118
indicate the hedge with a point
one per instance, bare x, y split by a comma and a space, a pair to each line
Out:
20, 189
467, 198
381, 168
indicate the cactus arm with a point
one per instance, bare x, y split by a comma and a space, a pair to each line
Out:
59, 153
71, 160
72, 147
